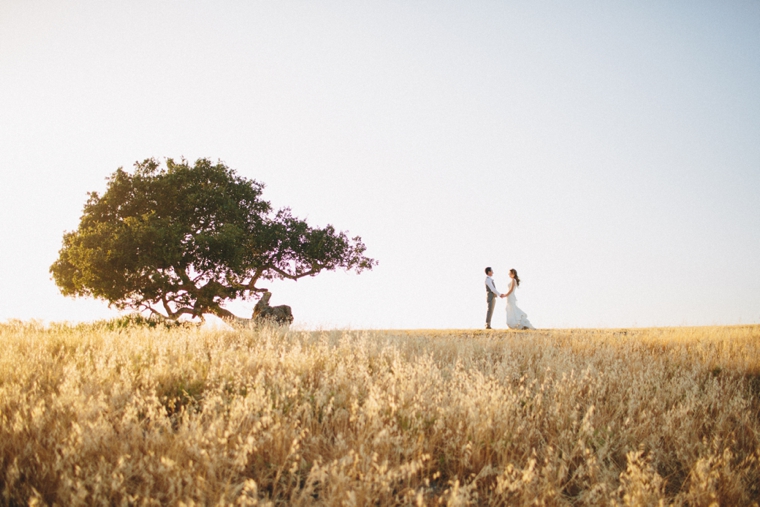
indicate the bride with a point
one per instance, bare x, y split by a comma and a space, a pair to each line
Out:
516, 318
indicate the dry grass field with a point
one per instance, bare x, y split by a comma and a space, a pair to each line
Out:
92, 415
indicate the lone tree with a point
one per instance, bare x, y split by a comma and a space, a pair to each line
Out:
182, 240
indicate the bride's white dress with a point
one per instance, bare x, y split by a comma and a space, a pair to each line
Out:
516, 318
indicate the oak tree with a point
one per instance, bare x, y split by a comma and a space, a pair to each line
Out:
183, 239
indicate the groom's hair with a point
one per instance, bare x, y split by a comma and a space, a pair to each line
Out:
488, 269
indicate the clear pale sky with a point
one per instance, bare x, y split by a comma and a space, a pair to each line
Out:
610, 152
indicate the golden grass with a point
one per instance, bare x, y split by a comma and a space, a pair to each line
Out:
91, 416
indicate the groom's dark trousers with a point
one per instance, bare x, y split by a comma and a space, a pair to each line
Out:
491, 300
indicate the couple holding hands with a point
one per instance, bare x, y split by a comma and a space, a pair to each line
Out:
516, 318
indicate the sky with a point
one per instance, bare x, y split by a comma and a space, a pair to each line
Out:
610, 152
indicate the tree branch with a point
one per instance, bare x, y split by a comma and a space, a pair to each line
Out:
255, 278
171, 314
285, 274
220, 312
153, 311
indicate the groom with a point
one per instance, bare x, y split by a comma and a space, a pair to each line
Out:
491, 295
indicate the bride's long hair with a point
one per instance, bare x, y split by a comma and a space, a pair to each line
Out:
517, 278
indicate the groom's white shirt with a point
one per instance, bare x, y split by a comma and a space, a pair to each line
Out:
489, 283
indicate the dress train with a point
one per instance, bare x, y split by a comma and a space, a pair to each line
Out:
516, 318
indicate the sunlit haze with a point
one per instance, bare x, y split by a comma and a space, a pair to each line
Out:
610, 152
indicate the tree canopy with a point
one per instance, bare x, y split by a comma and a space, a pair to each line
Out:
181, 240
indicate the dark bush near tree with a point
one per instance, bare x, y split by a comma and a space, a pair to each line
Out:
181, 240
